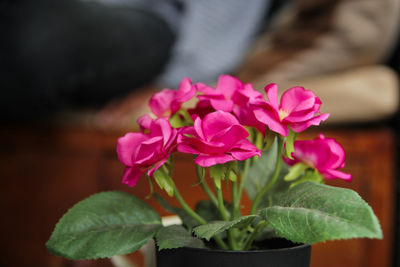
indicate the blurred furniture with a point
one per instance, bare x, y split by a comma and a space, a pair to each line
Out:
45, 170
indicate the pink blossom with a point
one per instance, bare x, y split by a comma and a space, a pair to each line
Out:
229, 92
216, 139
141, 152
242, 108
167, 102
230, 95
324, 154
298, 109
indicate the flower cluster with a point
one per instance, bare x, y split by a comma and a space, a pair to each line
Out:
217, 128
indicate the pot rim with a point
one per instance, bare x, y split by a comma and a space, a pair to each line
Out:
208, 250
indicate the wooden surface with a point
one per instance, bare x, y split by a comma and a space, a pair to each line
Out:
45, 171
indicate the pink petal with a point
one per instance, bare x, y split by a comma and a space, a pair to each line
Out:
161, 127
184, 148
131, 176
300, 116
216, 122
128, 145
246, 117
299, 127
335, 174
243, 155
145, 122
249, 91
160, 103
185, 91
266, 117
198, 126
231, 135
297, 99
148, 151
222, 104
338, 155
205, 89
187, 130
206, 147
170, 145
157, 166
245, 94
210, 160
312, 152
244, 150
227, 85
272, 94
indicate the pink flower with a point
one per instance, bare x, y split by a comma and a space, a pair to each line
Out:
229, 92
230, 95
298, 109
324, 154
167, 102
142, 153
242, 108
217, 139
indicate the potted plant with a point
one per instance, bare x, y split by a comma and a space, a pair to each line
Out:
241, 141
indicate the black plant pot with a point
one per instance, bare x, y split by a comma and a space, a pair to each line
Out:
278, 253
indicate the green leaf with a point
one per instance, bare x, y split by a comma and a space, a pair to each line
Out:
176, 236
261, 171
311, 212
295, 171
209, 230
186, 219
289, 147
164, 181
103, 225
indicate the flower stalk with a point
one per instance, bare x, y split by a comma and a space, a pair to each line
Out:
195, 216
203, 184
224, 215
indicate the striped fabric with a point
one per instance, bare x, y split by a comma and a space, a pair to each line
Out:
213, 38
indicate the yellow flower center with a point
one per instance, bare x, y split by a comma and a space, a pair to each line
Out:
283, 114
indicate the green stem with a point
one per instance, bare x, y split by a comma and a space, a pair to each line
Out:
273, 179
236, 202
195, 216
186, 207
253, 235
225, 217
221, 206
205, 187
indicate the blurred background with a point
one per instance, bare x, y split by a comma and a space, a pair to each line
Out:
76, 74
